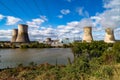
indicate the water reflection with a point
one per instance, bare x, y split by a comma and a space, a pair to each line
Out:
13, 57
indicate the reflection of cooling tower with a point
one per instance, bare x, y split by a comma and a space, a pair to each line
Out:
87, 34
22, 33
14, 35
109, 36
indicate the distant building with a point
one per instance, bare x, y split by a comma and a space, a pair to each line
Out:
65, 41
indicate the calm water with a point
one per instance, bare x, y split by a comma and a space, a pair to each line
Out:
13, 57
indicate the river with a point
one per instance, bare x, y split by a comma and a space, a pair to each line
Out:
13, 57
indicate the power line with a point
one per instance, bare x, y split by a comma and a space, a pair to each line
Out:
46, 8
9, 9
37, 7
26, 14
30, 8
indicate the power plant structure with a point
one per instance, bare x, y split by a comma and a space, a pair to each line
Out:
20, 34
14, 35
48, 41
109, 36
87, 36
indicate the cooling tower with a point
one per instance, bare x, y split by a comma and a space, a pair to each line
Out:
14, 35
109, 36
48, 39
87, 37
22, 33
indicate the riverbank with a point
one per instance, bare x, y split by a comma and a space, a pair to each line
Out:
32, 45
92, 61
76, 71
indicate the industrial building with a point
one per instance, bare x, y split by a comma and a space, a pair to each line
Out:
20, 34
87, 36
109, 36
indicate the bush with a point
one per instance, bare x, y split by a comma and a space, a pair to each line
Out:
116, 51
24, 46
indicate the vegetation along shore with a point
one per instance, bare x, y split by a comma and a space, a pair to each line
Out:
93, 61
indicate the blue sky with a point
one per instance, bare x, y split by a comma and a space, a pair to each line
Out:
52, 15
29, 9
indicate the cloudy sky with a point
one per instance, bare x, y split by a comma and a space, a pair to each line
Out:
59, 18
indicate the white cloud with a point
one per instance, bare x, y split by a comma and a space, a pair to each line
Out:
96, 20
75, 31
32, 24
60, 16
35, 23
82, 12
38, 21
44, 18
111, 3
11, 20
1, 16
111, 16
86, 14
65, 11
86, 22
73, 23
117, 33
69, 0
68, 30
61, 31
5, 35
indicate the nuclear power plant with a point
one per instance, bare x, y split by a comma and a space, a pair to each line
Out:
14, 35
48, 40
20, 35
109, 36
87, 36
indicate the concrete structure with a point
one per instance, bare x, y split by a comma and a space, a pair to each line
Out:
22, 33
14, 35
65, 41
109, 36
87, 37
48, 41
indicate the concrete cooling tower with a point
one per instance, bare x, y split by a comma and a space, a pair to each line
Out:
14, 35
109, 36
22, 33
87, 34
48, 39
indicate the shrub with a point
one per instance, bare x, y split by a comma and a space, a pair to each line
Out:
24, 46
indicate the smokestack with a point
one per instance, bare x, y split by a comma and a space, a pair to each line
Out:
109, 36
14, 35
87, 34
22, 33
